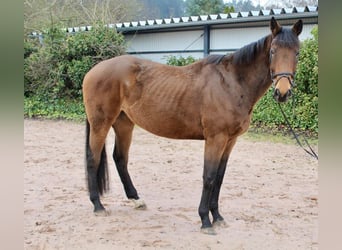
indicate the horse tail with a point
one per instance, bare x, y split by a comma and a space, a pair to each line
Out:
102, 178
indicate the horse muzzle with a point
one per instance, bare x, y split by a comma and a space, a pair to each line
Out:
282, 97
283, 83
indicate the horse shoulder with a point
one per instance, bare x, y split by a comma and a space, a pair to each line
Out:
223, 107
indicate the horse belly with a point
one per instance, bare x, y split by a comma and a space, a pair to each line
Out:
167, 123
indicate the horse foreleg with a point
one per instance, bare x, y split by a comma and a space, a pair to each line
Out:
214, 208
214, 149
123, 128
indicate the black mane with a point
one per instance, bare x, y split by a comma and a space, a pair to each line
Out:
246, 54
214, 59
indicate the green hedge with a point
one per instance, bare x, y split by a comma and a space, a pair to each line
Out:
55, 69
64, 108
179, 61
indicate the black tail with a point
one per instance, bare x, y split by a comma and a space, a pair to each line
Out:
101, 175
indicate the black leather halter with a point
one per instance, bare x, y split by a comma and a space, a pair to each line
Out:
276, 77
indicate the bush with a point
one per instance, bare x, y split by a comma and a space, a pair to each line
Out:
56, 68
67, 109
179, 61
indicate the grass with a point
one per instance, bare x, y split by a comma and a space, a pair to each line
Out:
277, 136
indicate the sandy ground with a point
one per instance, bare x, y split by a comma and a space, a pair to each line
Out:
268, 198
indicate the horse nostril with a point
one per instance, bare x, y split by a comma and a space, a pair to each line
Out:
276, 93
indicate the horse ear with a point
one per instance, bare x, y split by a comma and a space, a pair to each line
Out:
275, 27
298, 27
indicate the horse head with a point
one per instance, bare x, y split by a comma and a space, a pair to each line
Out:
284, 53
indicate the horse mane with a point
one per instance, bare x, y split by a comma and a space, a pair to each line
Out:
247, 53
244, 55
213, 59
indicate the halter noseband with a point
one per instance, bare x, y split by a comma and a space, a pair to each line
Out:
283, 75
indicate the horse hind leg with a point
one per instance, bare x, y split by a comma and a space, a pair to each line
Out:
96, 164
123, 128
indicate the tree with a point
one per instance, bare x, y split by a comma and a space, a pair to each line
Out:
244, 5
204, 7
40, 15
291, 3
152, 9
228, 9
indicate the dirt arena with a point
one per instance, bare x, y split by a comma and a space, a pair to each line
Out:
268, 197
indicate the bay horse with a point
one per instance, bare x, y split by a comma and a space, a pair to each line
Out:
211, 100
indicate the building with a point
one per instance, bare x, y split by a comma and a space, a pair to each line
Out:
199, 36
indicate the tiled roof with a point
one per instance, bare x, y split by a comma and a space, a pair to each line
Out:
159, 23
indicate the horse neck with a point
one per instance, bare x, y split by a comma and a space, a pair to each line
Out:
254, 76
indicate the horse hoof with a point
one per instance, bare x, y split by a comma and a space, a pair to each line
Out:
208, 230
102, 213
139, 204
220, 223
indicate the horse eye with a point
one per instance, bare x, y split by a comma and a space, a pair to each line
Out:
272, 51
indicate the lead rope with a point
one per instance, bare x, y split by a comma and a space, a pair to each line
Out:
311, 152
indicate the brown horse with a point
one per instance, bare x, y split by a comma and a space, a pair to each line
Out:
210, 100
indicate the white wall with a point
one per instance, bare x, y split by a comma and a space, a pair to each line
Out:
154, 46
182, 40
232, 39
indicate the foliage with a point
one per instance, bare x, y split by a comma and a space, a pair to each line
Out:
179, 61
40, 15
290, 3
40, 107
56, 68
228, 9
244, 5
204, 7
152, 9
307, 68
